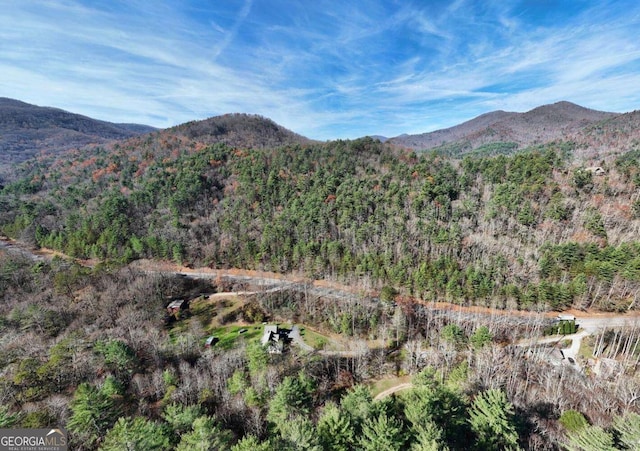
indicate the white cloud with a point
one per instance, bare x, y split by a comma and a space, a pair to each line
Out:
336, 70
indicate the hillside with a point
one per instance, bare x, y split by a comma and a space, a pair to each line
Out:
541, 125
613, 135
95, 350
478, 231
26, 130
238, 130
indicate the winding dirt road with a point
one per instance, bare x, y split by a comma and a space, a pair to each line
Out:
589, 322
392, 390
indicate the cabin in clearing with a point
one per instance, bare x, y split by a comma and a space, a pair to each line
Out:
275, 339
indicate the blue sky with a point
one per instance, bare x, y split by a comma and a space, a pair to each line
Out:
324, 69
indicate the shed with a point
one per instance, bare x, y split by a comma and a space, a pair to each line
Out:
566, 317
596, 170
176, 306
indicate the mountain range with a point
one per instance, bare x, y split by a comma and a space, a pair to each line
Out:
26, 130
562, 120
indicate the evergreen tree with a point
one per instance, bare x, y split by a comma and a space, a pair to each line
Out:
93, 412
492, 419
428, 437
118, 356
180, 418
292, 397
434, 403
301, 434
251, 443
205, 435
335, 429
572, 420
481, 337
135, 434
7, 419
590, 438
628, 428
382, 433
358, 405
453, 334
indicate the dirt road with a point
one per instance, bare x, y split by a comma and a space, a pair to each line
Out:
590, 322
392, 390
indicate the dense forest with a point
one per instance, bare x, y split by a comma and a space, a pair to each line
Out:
92, 348
526, 231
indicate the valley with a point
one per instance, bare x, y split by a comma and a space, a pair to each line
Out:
417, 294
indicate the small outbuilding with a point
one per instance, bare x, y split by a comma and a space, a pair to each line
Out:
565, 317
177, 306
596, 170
211, 341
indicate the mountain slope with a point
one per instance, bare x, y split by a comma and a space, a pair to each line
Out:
612, 135
540, 125
27, 129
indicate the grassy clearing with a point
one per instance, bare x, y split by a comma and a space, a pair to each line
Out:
217, 316
313, 338
229, 335
211, 311
586, 348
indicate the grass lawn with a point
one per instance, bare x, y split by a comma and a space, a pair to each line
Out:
313, 338
227, 335
586, 347
210, 311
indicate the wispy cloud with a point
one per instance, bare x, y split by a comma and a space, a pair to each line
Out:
324, 69
231, 34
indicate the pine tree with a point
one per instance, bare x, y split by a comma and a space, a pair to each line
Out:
7, 419
590, 438
572, 420
481, 337
334, 429
93, 412
428, 438
251, 443
628, 428
382, 433
492, 419
180, 418
358, 405
301, 434
292, 397
135, 434
204, 436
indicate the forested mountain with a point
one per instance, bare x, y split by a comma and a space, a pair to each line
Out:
500, 131
26, 129
238, 130
613, 135
484, 230
93, 348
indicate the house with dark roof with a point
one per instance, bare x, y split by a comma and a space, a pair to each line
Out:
275, 339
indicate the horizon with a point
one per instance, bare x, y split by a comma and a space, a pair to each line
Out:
323, 70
